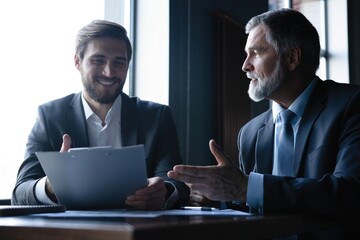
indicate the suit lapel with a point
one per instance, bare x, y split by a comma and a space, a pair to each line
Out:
129, 121
264, 147
312, 111
77, 123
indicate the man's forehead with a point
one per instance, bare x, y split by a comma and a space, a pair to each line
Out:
106, 46
106, 43
257, 37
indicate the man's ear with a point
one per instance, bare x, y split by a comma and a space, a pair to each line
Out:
77, 61
294, 58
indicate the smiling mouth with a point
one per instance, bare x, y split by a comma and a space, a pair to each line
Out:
106, 82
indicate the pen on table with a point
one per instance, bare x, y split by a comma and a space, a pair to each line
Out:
198, 208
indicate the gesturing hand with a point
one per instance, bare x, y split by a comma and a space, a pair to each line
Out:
221, 182
151, 197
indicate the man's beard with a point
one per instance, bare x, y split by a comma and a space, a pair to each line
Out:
264, 87
97, 95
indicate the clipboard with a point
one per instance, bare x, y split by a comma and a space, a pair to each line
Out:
95, 178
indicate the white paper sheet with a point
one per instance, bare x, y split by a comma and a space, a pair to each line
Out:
143, 214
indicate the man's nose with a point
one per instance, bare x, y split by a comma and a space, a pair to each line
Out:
247, 66
108, 70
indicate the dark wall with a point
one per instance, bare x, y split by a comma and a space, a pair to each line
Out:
192, 93
354, 40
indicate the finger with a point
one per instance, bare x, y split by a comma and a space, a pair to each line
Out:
146, 197
194, 171
218, 153
149, 190
171, 174
155, 185
66, 143
194, 202
188, 179
196, 197
198, 200
153, 205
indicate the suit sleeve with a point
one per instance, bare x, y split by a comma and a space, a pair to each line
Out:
30, 170
167, 153
42, 137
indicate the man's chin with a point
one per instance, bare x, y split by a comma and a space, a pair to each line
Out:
255, 99
254, 96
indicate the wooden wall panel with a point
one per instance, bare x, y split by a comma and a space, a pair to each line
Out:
233, 103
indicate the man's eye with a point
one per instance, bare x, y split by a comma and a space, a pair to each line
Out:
256, 52
97, 61
120, 62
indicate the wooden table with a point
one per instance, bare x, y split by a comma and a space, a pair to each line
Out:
159, 228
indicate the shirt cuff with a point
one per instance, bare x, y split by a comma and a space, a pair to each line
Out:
255, 191
172, 199
40, 192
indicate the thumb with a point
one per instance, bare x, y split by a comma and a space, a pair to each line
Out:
218, 153
66, 143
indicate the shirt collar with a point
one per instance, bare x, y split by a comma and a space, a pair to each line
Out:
298, 106
115, 108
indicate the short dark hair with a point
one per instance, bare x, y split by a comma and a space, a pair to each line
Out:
101, 29
290, 29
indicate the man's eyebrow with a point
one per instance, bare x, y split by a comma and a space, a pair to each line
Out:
257, 48
103, 56
97, 56
121, 58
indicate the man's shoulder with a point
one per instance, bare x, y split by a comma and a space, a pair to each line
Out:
145, 104
336, 93
339, 88
61, 102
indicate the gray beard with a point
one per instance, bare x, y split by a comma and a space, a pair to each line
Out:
265, 86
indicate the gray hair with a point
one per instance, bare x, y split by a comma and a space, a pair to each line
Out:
289, 29
101, 29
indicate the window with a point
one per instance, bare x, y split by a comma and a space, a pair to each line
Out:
330, 20
119, 11
37, 47
152, 50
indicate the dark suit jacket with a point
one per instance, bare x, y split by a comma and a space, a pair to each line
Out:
142, 122
327, 154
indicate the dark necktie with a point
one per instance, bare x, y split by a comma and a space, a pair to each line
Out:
285, 144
